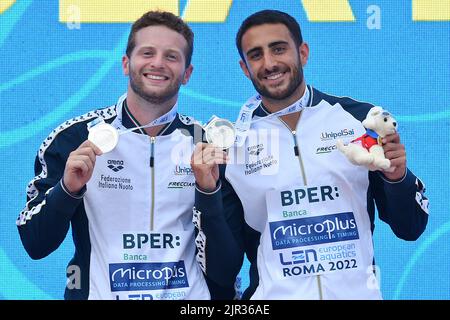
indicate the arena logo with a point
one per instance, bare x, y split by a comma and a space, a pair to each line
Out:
116, 165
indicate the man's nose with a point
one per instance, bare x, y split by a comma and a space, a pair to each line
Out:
157, 61
269, 62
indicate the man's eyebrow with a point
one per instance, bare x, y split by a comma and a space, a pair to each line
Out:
271, 45
145, 48
153, 47
276, 43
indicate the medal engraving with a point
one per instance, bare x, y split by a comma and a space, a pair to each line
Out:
104, 136
220, 132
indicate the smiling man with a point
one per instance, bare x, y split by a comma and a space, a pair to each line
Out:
108, 175
299, 210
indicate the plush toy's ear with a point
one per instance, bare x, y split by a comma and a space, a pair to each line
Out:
369, 122
374, 111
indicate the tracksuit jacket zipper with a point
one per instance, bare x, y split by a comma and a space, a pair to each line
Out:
302, 169
152, 172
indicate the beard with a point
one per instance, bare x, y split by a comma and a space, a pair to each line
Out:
294, 81
153, 96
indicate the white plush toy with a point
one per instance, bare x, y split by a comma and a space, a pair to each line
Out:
367, 149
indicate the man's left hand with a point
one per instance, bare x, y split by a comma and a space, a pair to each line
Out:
395, 152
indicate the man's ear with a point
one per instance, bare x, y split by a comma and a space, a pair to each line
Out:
126, 65
304, 53
244, 68
187, 74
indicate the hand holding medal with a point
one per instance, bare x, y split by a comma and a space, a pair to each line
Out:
205, 160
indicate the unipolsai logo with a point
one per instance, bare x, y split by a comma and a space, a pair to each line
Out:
338, 134
180, 171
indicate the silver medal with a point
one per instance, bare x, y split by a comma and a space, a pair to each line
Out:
103, 135
220, 132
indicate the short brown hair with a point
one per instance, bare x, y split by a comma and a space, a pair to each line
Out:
162, 18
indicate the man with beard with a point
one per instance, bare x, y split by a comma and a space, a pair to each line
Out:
284, 196
120, 177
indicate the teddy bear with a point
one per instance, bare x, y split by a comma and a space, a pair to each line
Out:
367, 150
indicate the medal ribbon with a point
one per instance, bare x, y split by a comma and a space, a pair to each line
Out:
165, 118
245, 120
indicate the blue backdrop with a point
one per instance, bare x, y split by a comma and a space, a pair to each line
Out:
395, 54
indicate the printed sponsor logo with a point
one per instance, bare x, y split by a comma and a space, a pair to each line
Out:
136, 296
298, 256
311, 195
294, 213
180, 171
255, 150
300, 263
341, 256
118, 183
253, 167
135, 257
337, 252
180, 184
150, 240
147, 276
165, 295
115, 165
326, 149
313, 230
335, 135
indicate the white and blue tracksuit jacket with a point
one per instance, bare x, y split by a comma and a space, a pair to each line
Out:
300, 211
132, 228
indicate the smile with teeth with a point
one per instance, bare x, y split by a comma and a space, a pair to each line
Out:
155, 77
275, 76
